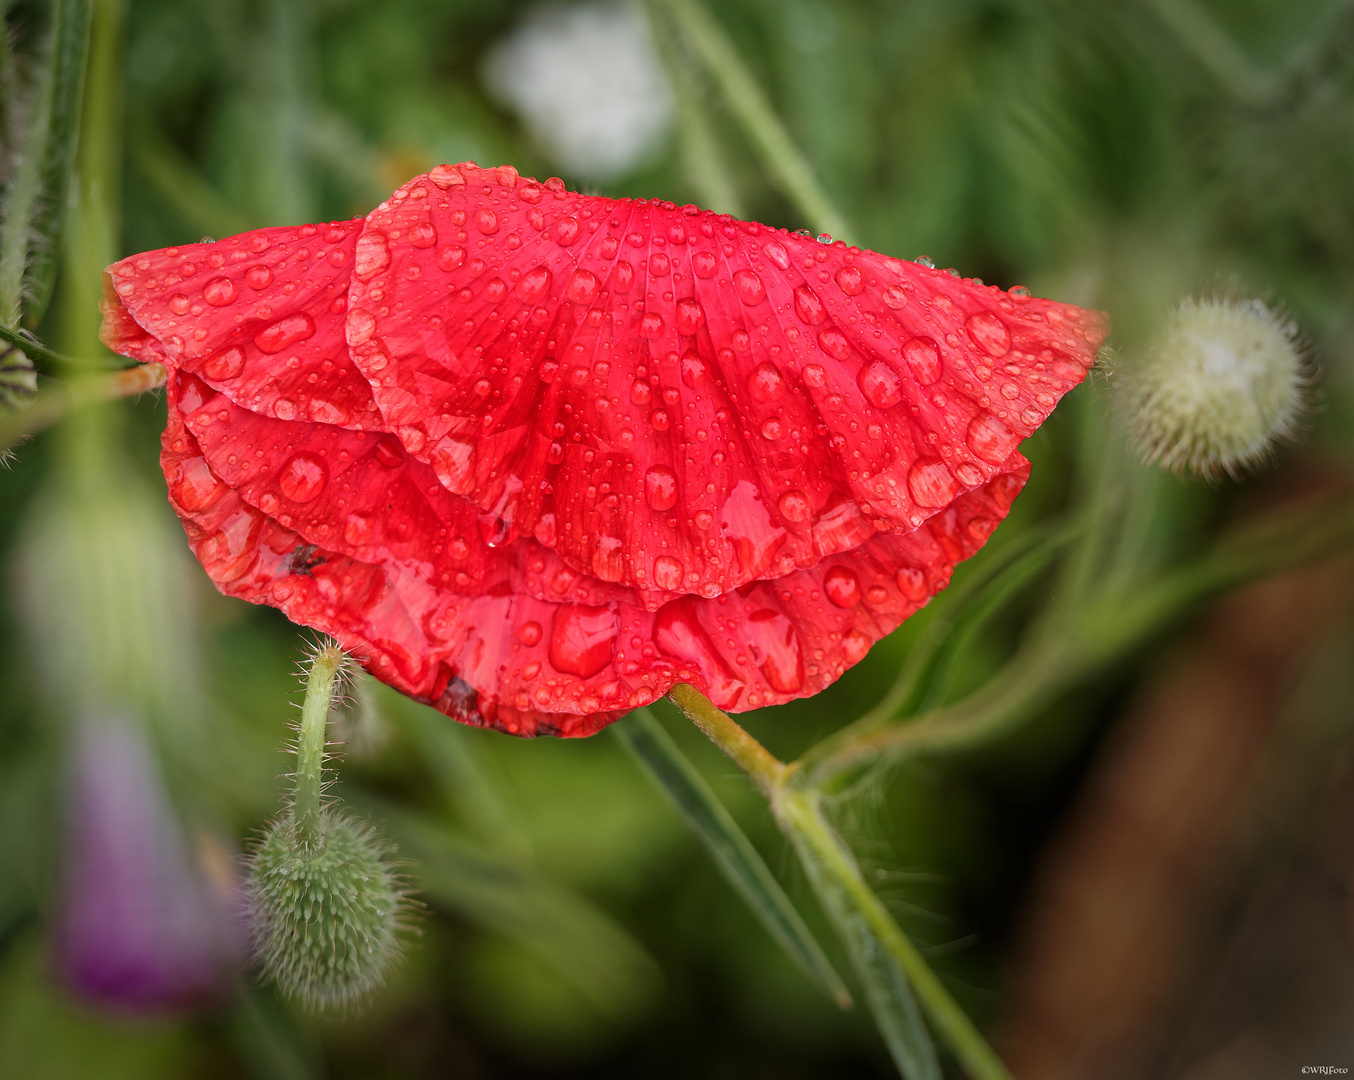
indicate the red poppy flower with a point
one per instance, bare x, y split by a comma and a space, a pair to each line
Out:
536, 456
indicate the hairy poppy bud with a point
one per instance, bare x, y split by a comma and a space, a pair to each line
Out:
1220, 385
327, 913
327, 907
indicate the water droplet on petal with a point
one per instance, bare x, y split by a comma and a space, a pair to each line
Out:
608, 559
834, 343
450, 257
777, 254
356, 530
912, 584
582, 287
372, 255
678, 633
389, 451
931, 483
582, 639
694, 370
486, 221
219, 292
808, 307
926, 261
894, 297
795, 506
765, 384
198, 489
705, 264
660, 487
423, 235
850, 280
690, 315
923, 359
775, 643
667, 573
969, 474
749, 287
285, 332
226, 364
567, 230
178, 304
532, 286
303, 477
545, 531
854, 646
989, 333
1019, 291
529, 633
880, 384
258, 277
452, 461
651, 325
841, 587
990, 439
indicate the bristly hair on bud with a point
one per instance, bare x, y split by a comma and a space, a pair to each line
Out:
1223, 382
328, 908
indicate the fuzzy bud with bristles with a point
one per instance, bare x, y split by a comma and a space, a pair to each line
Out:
327, 906
1219, 386
327, 913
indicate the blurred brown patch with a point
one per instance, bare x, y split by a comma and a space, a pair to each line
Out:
1151, 942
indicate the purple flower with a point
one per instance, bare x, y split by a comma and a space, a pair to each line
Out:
137, 927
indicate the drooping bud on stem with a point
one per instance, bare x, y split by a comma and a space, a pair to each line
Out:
327, 906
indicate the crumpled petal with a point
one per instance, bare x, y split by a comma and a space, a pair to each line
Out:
536, 489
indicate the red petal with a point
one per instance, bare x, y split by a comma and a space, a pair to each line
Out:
259, 316
840, 384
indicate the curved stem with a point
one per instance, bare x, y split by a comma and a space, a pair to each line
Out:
307, 803
766, 770
759, 120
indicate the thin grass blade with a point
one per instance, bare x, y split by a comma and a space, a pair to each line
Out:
729, 846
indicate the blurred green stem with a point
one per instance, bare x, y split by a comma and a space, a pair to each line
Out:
61, 398
759, 120
861, 918
307, 802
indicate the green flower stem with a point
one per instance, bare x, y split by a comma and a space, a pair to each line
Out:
307, 802
861, 918
833, 869
1106, 628
759, 120
62, 398
766, 770
34, 349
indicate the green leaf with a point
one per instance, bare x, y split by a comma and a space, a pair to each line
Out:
728, 845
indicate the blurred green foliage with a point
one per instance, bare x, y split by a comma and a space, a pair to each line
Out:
1112, 154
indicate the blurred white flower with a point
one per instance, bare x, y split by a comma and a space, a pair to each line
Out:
587, 83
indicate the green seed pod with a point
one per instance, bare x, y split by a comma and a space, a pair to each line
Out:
327, 913
1219, 386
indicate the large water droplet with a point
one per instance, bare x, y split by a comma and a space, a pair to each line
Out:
990, 439
930, 483
678, 633
808, 307
660, 487
842, 528
833, 342
651, 325
880, 384
226, 364
303, 477
567, 230
582, 639
285, 333
450, 257
608, 558
357, 529
705, 264
842, 587
533, 286
658, 264
777, 254
257, 277
749, 287
423, 235
912, 584
989, 333
855, 645
372, 255
198, 489
582, 287
795, 506
529, 633
746, 522
765, 384
923, 359
690, 315
452, 461
850, 280
775, 644
486, 221
667, 573
219, 292
694, 370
